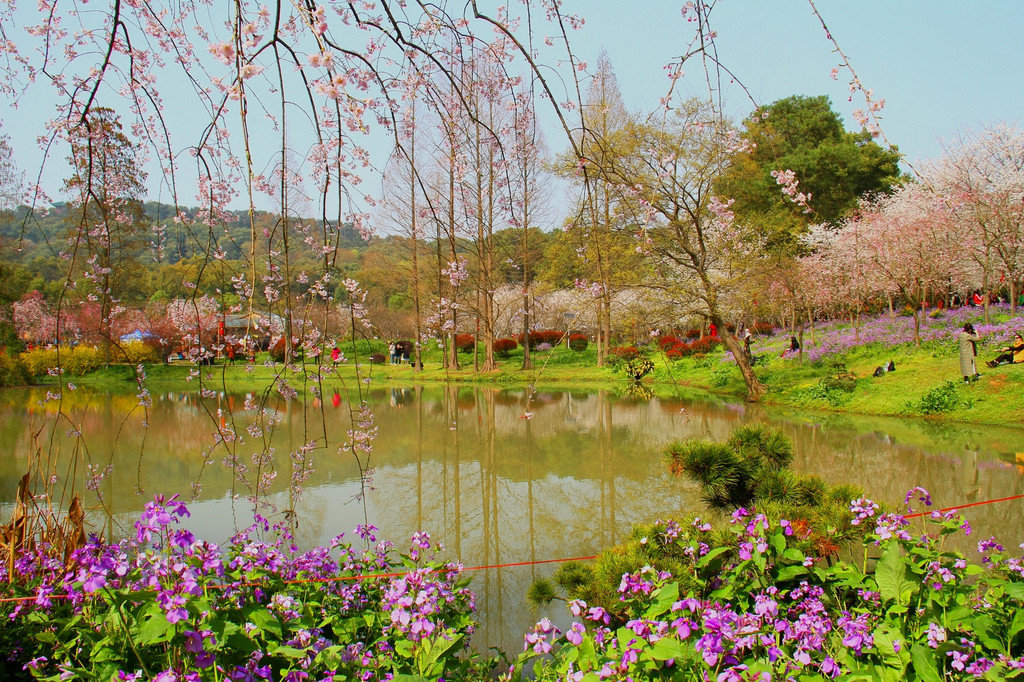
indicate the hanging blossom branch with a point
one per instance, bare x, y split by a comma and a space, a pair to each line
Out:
870, 118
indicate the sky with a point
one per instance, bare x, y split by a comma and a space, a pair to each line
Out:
942, 67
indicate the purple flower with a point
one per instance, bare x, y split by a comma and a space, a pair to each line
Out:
936, 634
959, 660
920, 494
862, 508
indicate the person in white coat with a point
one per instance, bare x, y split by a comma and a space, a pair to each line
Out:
968, 352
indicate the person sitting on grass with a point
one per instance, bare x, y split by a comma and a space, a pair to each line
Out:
1014, 353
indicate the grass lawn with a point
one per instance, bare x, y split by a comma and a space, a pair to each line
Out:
834, 373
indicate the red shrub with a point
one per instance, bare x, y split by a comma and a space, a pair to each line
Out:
702, 346
693, 333
578, 342
626, 352
277, 350
505, 346
538, 337
465, 342
667, 342
674, 353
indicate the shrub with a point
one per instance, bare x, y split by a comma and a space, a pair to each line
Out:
276, 350
626, 352
544, 346
12, 370
762, 329
535, 338
465, 343
943, 398
703, 346
78, 360
136, 352
578, 342
505, 346
378, 359
638, 368
693, 333
667, 342
38, 360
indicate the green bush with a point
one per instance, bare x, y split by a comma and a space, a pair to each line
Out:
578, 342
638, 368
12, 370
943, 398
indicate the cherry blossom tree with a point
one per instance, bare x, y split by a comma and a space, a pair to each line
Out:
911, 243
106, 188
666, 167
34, 319
981, 177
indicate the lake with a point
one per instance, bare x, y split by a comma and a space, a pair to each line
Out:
464, 464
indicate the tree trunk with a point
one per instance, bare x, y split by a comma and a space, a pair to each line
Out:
755, 389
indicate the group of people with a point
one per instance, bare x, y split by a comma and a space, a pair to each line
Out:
400, 352
1014, 353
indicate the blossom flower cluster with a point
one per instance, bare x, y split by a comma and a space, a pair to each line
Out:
255, 609
836, 337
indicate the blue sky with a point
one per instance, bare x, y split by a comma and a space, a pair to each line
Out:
941, 66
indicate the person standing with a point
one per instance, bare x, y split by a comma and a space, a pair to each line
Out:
968, 352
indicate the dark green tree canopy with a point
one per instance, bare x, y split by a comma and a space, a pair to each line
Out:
805, 135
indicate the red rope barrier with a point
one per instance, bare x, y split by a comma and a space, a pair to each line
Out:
965, 506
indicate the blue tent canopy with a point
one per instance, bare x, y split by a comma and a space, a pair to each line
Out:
138, 335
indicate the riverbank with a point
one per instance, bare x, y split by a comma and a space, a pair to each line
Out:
834, 372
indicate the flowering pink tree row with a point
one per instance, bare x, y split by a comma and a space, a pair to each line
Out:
957, 229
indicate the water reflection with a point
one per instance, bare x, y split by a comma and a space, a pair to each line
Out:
462, 463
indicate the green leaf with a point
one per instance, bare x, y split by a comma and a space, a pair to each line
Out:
666, 648
429, 660
885, 643
710, 556
263, 619
287, 652
891, 576
925, 665
154, 628
1015, 590
404, 648
790, 572
1016, 625
663, 599
409, 678
779, 543
793, 554
982, 627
